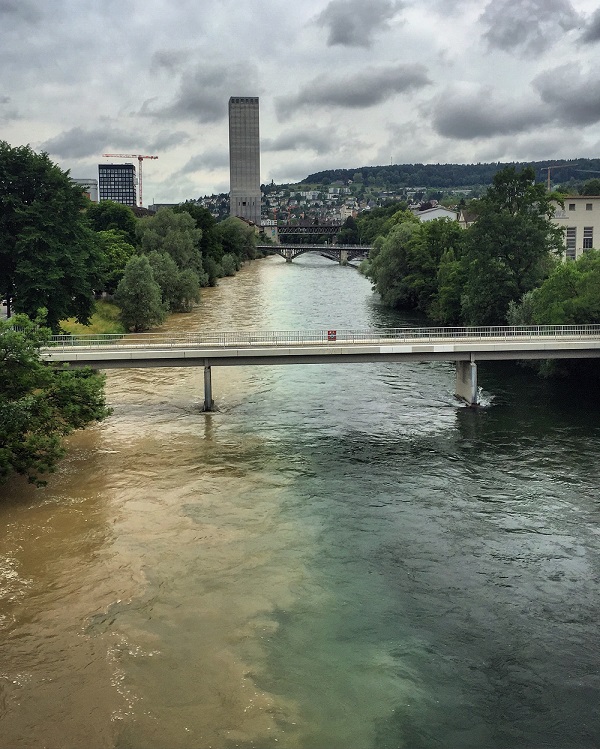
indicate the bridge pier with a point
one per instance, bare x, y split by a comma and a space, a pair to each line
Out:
209, 403
466, 382
343, 257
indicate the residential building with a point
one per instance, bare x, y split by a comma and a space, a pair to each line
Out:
580, 219
429, 214
244, 158
117, 182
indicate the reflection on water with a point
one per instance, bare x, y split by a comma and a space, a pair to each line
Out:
341, 556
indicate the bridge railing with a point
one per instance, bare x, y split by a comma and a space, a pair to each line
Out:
327, 336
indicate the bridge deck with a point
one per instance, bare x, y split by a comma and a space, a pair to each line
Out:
319, 347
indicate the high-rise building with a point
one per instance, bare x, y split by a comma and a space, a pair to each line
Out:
117, 182
244, 158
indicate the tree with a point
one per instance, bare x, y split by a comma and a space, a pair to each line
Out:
49, 257
509, 249
389, 264
210, 246
349, 233
139, 296
569, 296
237, 238
116, 253
39, 404
175, 234
591, 187
108, 215
180, 290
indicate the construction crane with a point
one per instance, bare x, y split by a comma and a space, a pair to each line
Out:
132, 156
564, 166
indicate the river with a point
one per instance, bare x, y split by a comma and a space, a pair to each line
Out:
341, 557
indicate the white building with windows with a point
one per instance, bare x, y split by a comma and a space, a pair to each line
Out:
580, 218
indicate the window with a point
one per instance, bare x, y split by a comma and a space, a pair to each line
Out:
588, 237
571, 242
571, 206
588, 206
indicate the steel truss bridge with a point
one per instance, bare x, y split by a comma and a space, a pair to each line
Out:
465, 346
288, 230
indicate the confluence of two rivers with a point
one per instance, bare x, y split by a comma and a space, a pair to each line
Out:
341, 558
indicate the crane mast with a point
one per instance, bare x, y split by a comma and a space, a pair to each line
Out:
140, 159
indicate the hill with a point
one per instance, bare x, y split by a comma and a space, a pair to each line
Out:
397, 176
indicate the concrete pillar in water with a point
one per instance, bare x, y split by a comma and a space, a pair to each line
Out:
208, 399
343, 257
466, 382
288, 256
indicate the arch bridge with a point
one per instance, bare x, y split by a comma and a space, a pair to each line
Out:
340, 253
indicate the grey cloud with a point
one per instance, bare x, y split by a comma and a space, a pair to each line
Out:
6, 114
166, 139
209, 161
320, 141
19, 10
365, 89
169, 60
205, 90
79, 143
573, 96
352, 23
592, 31
528, 26
478, 114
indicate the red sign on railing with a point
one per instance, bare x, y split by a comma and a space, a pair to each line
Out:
331, 335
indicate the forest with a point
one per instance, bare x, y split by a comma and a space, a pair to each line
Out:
397, 176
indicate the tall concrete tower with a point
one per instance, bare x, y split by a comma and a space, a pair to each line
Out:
244, 158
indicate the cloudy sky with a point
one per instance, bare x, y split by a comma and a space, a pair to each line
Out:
342, 83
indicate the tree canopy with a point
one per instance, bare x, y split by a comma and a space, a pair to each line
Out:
40, 404
110, 216
471, 275
509, 249
49, 257
139, 296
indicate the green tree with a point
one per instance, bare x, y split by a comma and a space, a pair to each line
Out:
116, 253
188, 291
445, 308
40, 404
436, 239
389, 264
228, 264
591, 187
509, 249
210, 246
180, 290
139, 296
237, 238
569, 296
49, 257
175, 234
349, 233
108, 215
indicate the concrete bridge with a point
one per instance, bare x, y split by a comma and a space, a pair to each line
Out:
465, 346
340, 253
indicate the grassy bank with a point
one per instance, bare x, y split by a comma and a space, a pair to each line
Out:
105, 319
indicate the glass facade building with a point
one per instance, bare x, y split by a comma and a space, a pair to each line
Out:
244, 158
117, 182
